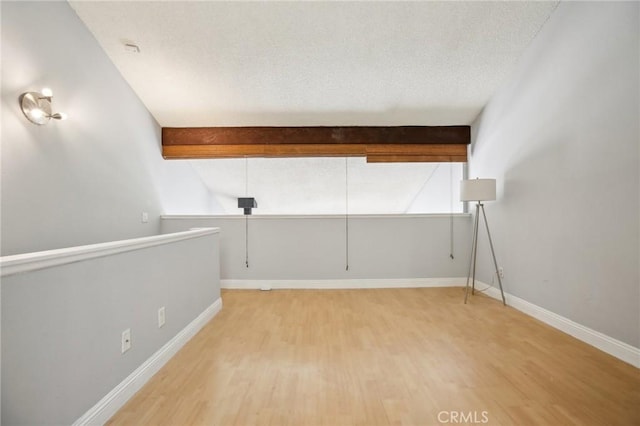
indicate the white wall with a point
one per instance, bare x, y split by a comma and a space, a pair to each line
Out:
441, 192
313, 247
562, 139
87, 179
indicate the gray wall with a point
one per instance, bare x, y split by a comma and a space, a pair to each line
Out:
87, 179
61, 326
313, 248
562, 139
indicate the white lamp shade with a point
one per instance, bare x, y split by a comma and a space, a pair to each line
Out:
478, 190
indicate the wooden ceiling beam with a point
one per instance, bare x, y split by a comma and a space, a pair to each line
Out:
401, 153
392, 158
378, 144
271, 150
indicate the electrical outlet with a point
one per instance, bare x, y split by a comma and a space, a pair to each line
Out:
126, 340
161, 317
144, 217
501, 272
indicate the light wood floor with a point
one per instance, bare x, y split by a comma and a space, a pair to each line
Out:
377, 357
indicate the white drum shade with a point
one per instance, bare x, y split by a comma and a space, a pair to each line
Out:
478, 190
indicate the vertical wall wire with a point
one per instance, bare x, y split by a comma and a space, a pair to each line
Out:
451, 210
246, 217
346, 216
246, 176
246, 240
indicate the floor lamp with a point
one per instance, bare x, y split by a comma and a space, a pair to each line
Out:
479, 190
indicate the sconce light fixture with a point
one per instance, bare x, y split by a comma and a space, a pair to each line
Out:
247, 203
36, 106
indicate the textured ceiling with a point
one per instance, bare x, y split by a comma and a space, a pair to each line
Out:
314, 63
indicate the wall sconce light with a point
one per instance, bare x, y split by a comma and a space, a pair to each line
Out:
36, 106
247, 203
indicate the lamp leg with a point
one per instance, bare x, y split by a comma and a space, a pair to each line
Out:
495, 263
475, 251
472, 257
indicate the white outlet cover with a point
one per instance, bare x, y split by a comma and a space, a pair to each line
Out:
126, 340
145, 217
161, 317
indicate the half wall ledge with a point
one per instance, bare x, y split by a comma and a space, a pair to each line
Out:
20, 263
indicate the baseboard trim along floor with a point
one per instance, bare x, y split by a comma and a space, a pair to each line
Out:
614, 347
101, 412
341, 284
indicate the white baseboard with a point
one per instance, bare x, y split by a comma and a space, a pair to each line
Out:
618, 349
100, 413
342, 284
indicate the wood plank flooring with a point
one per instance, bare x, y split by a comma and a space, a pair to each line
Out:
380, 357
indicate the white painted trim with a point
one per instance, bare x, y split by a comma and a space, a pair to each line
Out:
100, 413
342, 284
618, 349
27, 262
325, 216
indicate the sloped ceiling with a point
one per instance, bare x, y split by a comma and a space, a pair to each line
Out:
314, 63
